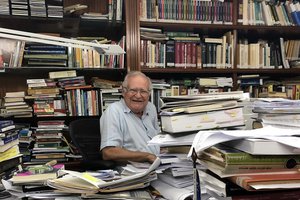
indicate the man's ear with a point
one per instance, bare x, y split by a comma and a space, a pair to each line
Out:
123, 91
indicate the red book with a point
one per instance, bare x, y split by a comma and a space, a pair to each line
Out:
249, 181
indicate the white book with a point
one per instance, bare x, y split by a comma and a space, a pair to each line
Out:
257, 146
15, 94
202, 121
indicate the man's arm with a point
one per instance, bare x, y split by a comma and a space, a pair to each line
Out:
120, 154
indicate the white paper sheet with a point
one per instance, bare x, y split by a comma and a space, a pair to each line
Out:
205, 139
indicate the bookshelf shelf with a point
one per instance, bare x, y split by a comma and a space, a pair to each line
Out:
187, 71
67, 26
217, 27
221, 71
42, 72
67, 119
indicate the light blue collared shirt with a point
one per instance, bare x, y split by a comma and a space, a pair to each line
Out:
120, 127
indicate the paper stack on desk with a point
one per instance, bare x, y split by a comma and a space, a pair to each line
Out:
264, 172
201, 112
85, 183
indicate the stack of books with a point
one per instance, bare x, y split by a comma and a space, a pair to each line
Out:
178, 169
10, 156
37, 8
181, 118
49, 143
55, 8
215, 84
20, 8
4, 7
71, 82
250, 163
30, 180
276, 112
80, 99
39, 55
200, 112
47, 100
14, 105
26, 142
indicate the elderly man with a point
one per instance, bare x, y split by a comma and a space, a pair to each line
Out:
127, 125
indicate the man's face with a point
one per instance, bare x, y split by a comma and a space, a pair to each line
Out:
136, 95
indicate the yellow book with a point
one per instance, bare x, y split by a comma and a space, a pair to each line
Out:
11, 152
62, 74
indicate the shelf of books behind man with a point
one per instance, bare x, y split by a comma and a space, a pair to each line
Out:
18, 53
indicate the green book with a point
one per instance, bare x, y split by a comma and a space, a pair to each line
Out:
46, 56
227, 156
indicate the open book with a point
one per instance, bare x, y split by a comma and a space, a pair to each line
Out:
77, 182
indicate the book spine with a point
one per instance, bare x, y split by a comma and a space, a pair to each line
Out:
285, 161
170, 53
6, 123
294, 14
6, 140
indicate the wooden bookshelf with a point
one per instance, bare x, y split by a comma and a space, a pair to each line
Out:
70, 26
250, 32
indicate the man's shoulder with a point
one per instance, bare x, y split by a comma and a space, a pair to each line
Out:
117, 106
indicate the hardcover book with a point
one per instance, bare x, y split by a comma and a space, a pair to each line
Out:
258, 146
268, 181
226, 156
202, 120
5, 123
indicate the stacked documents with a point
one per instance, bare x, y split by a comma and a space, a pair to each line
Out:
238, 162
201, 112
86, 183
277, 112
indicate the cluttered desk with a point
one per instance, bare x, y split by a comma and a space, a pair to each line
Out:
52, 180
133, 180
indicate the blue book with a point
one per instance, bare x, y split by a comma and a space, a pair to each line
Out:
8, 139
295, 14
5, 123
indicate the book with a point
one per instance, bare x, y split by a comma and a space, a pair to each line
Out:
268, 181
62, 74
7, 128
211, 107
282, 194
285, 62
15, 94
5, 123
170, 53
10, 163
13, 99
258, 146
36, 174
242, 169
295, 14
221, 186
8, 139
8, 133
46, 90
9, 151
8, 48
226, 156
204, 120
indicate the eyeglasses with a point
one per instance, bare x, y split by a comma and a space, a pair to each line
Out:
143, 93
